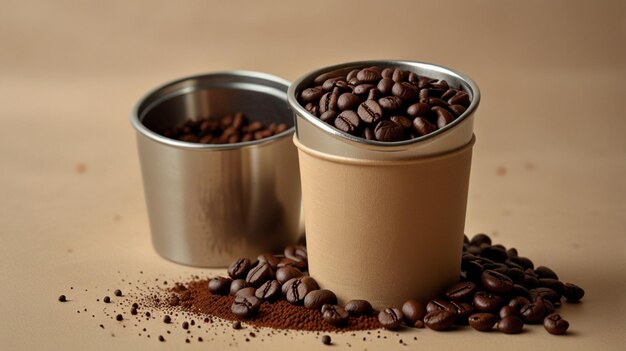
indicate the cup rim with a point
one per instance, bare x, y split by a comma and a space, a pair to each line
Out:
297, 85
140, 109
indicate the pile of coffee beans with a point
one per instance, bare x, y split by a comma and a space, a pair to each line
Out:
386, 105
228, 129
497, 288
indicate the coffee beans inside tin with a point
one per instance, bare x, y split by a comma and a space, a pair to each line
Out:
386, 105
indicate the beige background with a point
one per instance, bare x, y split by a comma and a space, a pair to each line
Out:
549, 171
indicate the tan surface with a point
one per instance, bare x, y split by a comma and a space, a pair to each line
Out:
548, 176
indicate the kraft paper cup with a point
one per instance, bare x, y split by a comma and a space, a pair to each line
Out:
385, 221
211, 204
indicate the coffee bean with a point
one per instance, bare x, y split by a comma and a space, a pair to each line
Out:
167, 319
370, 111
387, 72
239, 268
457, 110
373, 94
295, 290
482, 321
399, 75
324, 76
422, 126
388, 131
249, 291
390, 103
352, 74
545, 293
237, 285
402, 121
62, 298
311, 94
347, 101
461, 291
438, 305
220, 285
350, 117
245, 306
331, 83
544, 272
260, 274
269, 259
433, 101
511, 325
506, 311
516, 275
334, 314
300, 263
572, 292
390, 318
486, 302
117, 292
413, 77
439, 320
448, 94
283, 274
318, 298
494, 253
523, 261
518, 302
480, 238
358, 307
519, 290
368, 75
462, 310
368, 134
419, 109
444, 117
326, 340
533, 312
404, 90
328, 116
363, 89
439, 85
385, 85
460, 98
269, 290
496, 282
328, 102
555, 325
413, 311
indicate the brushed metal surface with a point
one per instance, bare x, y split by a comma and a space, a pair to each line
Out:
210, 204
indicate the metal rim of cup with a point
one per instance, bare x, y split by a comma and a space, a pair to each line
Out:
154, 98
305, 81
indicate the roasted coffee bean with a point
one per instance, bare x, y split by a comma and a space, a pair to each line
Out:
462, 310
439, 304
373, 94
523, 261
239, 268
480, 238
457, 110
385, 85
444, 117
358, 307
544, 272
352, 74
245, 306
422, 126
518, 302
344, 125
556, 325
404, 90
399, 75
506, 311
237, 285
482, 321
433, 101
461, 291
413, 77
533, 312
516, 275
350, 117
448, 94
486, 302
318, 298
330, 83
220, 285
390, 103
260, 274
387, 72
283, 274
548, 305
572, 292
439, 320
324, 76
530, 281
249, 291
295, 290
413, 311
334, 315
402, 121
329, 116
511, 325
512, 252
419, 109
347, 101
300, 264
423, 95
269, 290
474, 270
439, 85
362, 89
388, 131
519, 290
311, 94
390, 318
269, 259
460, 98
310, 282
368, 134
370, 111
545, 293
368, 75
494, 253
496, 282
328, 102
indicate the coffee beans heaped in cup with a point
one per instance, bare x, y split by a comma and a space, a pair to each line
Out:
228, 129
386, 105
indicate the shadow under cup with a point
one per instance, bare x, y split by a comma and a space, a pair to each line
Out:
209, 204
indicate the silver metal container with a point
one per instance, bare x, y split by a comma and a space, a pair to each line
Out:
210, 204
320, 136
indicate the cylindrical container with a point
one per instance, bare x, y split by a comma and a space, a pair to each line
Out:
209, 204
385, 221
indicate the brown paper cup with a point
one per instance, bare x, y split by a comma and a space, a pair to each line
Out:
385, 231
